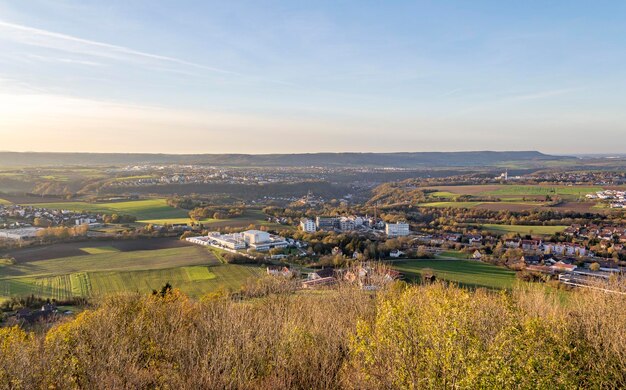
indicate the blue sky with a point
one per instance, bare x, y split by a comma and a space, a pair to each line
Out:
266, 76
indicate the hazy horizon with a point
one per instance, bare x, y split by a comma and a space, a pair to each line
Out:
294, 77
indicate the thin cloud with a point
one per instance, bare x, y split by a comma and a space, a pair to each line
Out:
543, 94
52, 40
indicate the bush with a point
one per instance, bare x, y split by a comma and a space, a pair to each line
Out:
430, 336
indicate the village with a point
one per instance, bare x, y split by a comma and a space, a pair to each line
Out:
616, 199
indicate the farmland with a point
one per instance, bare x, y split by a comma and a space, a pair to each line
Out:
148, 210
464, 272
543, 190
107, 269
514, 192
510, 197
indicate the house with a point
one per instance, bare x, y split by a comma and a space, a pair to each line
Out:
474, 239
540, 268
511, 243
477, 255
396, 253
274, 270
313, 283
452, 237
531, 245
322, 273
531, 260
560, 266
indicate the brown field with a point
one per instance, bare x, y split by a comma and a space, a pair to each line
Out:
56, 251
581, 207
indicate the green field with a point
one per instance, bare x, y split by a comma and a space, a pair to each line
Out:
99, 249
195, 270
4, 201
452, 255
523, 229
443, 194
542, 190
464, 272
145, 210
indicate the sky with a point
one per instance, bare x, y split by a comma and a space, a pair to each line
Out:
312, 76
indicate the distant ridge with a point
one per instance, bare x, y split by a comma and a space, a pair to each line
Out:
401, 159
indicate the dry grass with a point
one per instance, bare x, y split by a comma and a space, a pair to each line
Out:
430, 336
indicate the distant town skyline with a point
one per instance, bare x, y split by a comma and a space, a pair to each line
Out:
301, 77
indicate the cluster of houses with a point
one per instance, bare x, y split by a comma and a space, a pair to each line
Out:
47, 313
368, 277
453, 238
147, 175
16, 221
549, 248
609, 237
615, 198
579, 177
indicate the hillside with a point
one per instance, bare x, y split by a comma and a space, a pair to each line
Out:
430, 337
416, 159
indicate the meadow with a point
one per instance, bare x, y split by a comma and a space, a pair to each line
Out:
148, 210
464, 272
511, 197
576, 191
523, 229
104, 270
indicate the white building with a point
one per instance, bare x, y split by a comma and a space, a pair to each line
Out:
252, 239
346, 224
308, 225
255, 237
230, 241
397, 229
19, 234
263, 241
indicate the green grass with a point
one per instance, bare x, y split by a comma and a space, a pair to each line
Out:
523, 229
148, 209
113, 261
99, 249
452, 255
463, 272
444, 194
193, 280
4, 201
195, 270
542, 190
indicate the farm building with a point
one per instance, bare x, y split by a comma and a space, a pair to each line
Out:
19, 234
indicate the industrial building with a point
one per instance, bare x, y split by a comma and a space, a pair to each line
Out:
19, 234
252, 239
398, 229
